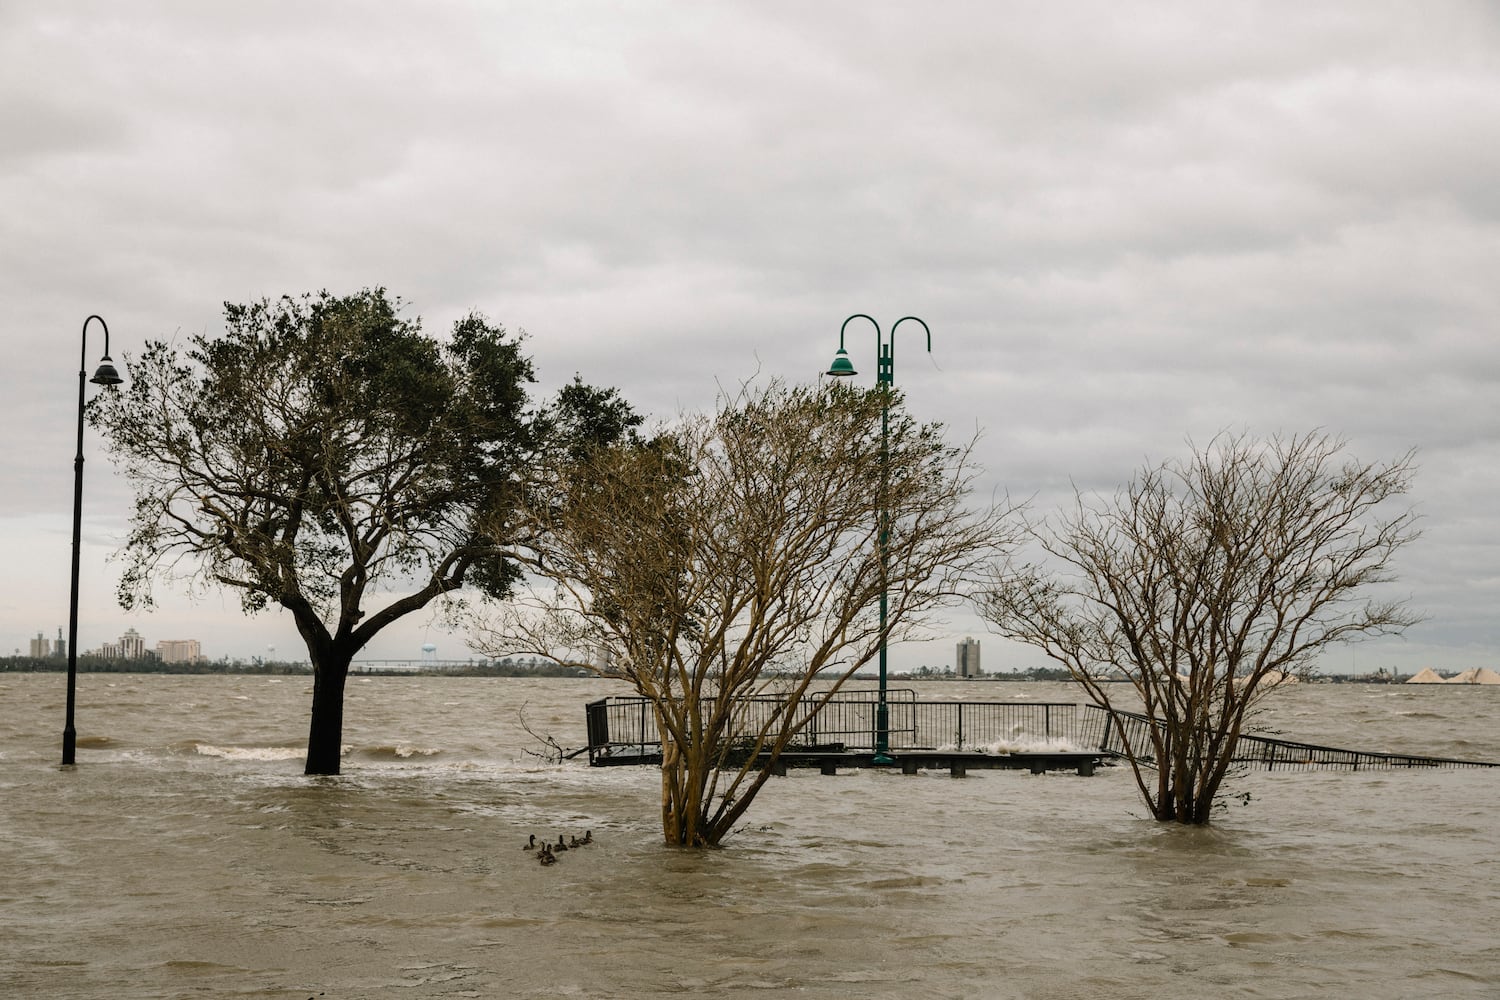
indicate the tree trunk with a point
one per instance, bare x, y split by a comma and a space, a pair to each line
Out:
325, 736
682, 799
1187, 791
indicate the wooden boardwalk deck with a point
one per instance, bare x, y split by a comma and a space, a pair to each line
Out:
956, 763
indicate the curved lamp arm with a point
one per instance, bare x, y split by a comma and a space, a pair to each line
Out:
106, 373
841, 364
898, 322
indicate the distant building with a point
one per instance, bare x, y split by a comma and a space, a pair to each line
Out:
60, 647
179, 651
966, 664
41, 646
132, 646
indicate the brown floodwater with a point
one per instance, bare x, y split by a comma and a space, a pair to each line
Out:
187, 856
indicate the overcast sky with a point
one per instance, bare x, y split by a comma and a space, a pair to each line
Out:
1128, 226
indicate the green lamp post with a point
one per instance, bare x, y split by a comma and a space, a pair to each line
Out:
885, 379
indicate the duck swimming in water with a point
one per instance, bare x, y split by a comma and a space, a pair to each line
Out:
559, 846
546, 857
530, 844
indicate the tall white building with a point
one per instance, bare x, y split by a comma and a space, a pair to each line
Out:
132, 646
966, 663
41, 646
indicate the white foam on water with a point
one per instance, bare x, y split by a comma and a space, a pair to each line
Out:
250, 753
1028, 744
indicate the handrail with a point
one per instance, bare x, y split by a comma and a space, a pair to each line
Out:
624, 727
1266, 751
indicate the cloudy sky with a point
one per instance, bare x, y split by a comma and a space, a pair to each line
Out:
1128, 226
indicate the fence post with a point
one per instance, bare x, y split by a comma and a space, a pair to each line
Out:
597, 714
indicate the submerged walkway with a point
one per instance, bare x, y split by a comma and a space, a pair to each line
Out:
959, 736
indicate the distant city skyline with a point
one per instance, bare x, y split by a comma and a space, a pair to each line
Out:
131, 645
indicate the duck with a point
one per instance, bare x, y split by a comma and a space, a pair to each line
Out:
546, 857
530, 844
573, 841
588, 837
559, 846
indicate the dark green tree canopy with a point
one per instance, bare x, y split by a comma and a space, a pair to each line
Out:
321, 447
324, 449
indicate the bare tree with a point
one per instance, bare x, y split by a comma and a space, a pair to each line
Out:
737, 554
1204, 583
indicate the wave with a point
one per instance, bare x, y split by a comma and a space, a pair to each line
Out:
399, 751
1032, 745
247, 753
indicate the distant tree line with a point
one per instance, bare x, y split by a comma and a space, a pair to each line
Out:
147, 665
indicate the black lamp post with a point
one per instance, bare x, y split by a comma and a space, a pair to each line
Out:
105, 375
885, 379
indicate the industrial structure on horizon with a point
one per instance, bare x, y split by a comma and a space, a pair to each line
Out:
42, 646
966, 662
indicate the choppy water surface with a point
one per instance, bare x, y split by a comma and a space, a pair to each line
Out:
187, 856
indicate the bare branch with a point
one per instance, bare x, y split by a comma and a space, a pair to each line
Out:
1206, 583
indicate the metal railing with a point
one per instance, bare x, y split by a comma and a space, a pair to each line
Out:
624, 729
982, 725
1264, 751
624, 726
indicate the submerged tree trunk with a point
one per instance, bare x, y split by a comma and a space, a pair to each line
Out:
683, 807
704, 791
325, 735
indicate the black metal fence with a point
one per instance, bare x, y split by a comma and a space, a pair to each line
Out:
623, 729
1264, 751
624, 726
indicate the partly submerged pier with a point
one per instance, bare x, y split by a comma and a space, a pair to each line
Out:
959, 736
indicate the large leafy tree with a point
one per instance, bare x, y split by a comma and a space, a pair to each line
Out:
738, 554
324, 451
1205, 583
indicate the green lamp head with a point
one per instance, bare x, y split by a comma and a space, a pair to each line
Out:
841, 364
